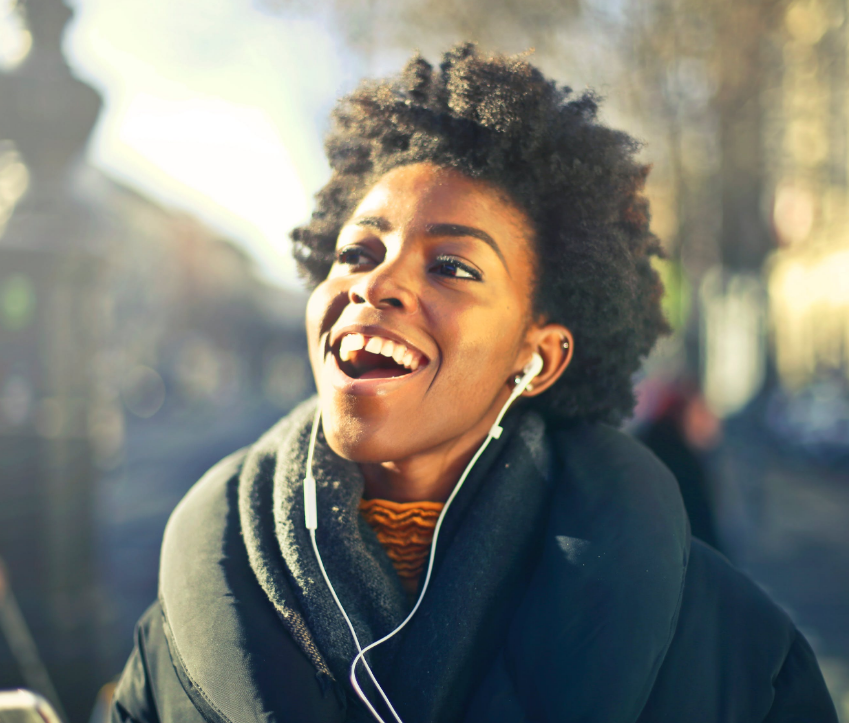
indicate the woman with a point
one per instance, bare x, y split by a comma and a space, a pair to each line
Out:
482, 237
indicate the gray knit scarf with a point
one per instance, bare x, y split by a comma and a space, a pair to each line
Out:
488, 533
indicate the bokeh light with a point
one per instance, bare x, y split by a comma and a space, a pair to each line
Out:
15, 38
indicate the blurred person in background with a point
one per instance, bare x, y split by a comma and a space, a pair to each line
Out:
681, 430
482, 247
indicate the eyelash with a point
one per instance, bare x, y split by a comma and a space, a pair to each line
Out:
473, 273
342, 254
343, 257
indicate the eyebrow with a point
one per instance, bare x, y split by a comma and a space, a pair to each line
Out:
375, 222
454, 229
437, 229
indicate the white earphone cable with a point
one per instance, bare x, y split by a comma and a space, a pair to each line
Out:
311, 516
354, 682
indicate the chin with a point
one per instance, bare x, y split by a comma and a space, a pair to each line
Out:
379, 435
362, 438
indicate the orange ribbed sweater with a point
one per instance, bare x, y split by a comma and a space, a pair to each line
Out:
405, 529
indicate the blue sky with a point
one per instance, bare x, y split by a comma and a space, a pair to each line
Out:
210, 106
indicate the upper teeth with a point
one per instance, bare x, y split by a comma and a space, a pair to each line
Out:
378, 345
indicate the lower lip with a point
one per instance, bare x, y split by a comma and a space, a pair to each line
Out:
363, 387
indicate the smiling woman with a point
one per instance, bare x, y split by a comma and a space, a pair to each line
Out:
451, 531
442, 266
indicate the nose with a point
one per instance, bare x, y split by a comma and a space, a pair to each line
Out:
388, 285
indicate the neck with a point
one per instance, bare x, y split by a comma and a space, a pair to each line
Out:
426, 476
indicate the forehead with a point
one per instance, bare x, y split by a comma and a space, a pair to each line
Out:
425, 193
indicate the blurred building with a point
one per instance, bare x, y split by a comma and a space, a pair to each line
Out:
112, 309
48, 278
808, 275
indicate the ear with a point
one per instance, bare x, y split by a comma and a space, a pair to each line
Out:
554, 343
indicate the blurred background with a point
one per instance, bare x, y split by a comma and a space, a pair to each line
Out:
154, 155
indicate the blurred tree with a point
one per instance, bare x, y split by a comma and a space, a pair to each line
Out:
697, 71
702, 76
700, 72
435, 24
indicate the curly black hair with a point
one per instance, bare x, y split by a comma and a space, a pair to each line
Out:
500, 120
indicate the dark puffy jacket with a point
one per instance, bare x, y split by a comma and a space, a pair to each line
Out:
606, 612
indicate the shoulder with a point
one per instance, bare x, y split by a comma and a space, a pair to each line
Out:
800, 689
624, 494
680, 632
607, 462
617, 516
149, 690
735, 654
751, 635
608, 582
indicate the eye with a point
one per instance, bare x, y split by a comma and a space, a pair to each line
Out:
354, 256
454, 268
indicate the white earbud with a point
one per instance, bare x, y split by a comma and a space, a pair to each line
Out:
531, 370
535, 365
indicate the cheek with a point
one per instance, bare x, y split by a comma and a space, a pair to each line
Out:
323, 308
325, 305
316, 307
314, 314
479, 352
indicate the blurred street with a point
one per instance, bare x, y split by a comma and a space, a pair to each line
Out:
163, 462
784, 521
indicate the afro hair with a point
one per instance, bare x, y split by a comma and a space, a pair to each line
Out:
500, 120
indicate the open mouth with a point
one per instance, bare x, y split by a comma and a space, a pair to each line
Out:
373, 357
